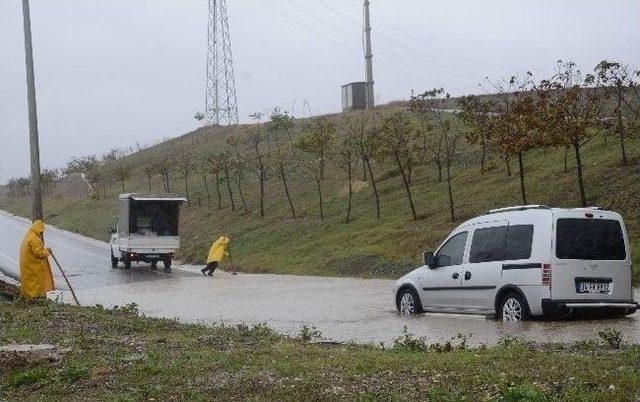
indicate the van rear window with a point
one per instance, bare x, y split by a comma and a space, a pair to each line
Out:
589, 239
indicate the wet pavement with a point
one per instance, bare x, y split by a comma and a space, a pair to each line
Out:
342, 309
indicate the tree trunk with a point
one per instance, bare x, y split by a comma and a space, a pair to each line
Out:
239, 183
507, 162
350, 195
206, 187
262, 177
439, 165
483, 157
523, 190
407, 187
319, 185
620, 128
218, 191
123, 182
364, 166
451, 207
583, 198
374, 187
228, 180
566, 158
149, 182
283, 176
186, 187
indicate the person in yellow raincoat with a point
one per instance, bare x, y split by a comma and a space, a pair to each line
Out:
35, 272
217, 252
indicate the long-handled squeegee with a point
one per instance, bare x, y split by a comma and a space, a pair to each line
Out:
65, 278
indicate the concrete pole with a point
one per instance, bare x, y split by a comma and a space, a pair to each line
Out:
36, 190
368, 57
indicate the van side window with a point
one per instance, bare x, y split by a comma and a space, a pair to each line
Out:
488, 244
501, 243
519, 241
451, 253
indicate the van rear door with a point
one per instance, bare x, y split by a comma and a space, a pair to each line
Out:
592, 259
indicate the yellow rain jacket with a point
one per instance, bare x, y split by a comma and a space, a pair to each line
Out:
218, 250
35, 272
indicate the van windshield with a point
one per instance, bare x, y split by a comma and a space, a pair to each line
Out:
589, 239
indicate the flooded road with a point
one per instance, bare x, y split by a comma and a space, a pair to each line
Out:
342, 309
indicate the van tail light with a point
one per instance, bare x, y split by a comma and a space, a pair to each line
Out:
546, 274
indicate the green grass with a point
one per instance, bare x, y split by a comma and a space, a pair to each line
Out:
116, 355
365, 247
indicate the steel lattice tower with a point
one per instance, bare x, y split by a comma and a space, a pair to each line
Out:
221, 103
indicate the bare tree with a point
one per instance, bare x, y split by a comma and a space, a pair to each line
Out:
216, 164
255, 140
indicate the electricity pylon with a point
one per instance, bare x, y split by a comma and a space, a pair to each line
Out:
221, 103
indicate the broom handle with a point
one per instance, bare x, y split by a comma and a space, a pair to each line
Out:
65, 278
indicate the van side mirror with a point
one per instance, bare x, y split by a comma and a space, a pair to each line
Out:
429, 259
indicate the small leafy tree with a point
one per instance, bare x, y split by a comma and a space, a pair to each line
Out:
121, 172
282, 123
478, 114
366, 139
571, 107
216, 164
256, 139
347, 157
185, 166
148, 173
446, 136
316, 142
396, 139
617, 81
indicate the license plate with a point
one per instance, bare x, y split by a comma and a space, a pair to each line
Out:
595, 288
153, 256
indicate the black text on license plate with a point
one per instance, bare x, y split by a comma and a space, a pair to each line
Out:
153, 256
594, 288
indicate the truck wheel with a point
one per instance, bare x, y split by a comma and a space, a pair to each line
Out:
114, 261
127, 263
167, 264
154, 265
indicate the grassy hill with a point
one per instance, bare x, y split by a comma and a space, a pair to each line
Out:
365, 247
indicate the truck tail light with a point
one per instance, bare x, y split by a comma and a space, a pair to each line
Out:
546, 274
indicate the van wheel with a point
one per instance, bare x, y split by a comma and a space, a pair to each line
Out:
154, 265
127, 263
513, 308
167, 264
408, 302
114, 261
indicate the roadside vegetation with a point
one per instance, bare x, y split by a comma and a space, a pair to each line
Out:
363, 194
117, 355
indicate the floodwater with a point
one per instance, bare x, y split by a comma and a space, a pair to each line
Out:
342, 309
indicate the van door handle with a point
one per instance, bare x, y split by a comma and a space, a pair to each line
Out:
467, 276
455, 275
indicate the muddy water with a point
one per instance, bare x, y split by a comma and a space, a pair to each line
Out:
342, 309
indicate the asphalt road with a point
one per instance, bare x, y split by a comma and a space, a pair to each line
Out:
342, 309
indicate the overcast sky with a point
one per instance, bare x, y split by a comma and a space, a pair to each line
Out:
113, 73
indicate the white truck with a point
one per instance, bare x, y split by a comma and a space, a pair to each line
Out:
146, 230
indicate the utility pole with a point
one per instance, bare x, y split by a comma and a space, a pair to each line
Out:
36, 190
368, 57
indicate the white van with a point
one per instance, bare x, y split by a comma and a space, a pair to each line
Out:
525, 261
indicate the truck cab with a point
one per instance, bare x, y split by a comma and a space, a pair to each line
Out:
147, 229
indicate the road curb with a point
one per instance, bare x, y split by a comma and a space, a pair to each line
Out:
9, 286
